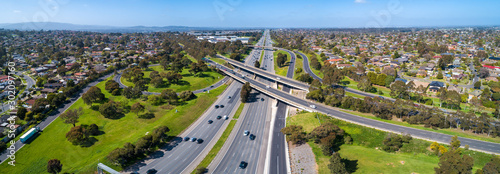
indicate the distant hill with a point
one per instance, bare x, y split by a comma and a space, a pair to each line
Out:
98, 28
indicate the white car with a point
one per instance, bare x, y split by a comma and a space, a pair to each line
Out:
278, 78
267, 86
312, 106
226, 117
246, 133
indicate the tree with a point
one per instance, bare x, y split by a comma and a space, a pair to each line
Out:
93, 129
439, 75
256, 64
477, 85
143, 64
137, 107
295, 133
111, 85
76, 135
132, 92
398, 89
245, 92
54, 166
452, 162
493, 166
169, 95
21, 112
157, 82
305, 78
186, 95
3, 146
92, 95
110, 110
455, 143
155, 100
336, 165
365, 84
71, 116
483, 72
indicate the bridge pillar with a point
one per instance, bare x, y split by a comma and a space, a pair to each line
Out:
276, 84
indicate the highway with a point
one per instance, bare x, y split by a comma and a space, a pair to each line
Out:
256, 120
278, 154
179, 154
417, 133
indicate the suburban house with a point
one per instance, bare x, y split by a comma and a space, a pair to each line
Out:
434, 86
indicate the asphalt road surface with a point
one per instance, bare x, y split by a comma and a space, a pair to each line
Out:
179, 154
257, 121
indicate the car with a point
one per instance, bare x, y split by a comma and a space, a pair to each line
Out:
246, 132
210, 121
228, 97
216, 106
186, 138
221, 106
312, 106
219, 117
151, 171
261, 99
199, 140
243, 165
252, 137
278, 78
211, 86
267, 86
226, 117
193, 139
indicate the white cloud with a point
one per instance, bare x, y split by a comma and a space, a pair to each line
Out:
360, 1
17, 11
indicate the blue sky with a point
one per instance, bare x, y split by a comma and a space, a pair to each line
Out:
255, 13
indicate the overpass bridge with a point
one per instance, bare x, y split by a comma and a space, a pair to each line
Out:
273, 77
478, 145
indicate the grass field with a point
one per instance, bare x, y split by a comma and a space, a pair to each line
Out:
215, 150
283, 70
298, 64
188, 82
261, 57
368, 158
52, 144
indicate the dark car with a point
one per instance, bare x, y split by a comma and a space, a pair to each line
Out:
221, 106
261, 99
153, 171
219, 117
243, 165
216, 106
210, 121
200, 140
186, 138
193, 139
252, 137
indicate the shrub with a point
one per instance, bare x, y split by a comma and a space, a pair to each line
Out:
148, 115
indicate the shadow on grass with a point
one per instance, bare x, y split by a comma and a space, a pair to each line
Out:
89, 142
350, 165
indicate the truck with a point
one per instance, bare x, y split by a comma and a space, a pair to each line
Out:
31, 133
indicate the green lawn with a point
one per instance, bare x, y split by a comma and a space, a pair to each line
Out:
238, 112
215, 150
368, 158
317, 72
33, 157
188, 82
283, 70
261, 57
298, 64
218, 60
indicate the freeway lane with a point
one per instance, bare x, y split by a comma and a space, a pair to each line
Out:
278, 157
417, 133
178, 155
257, 121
